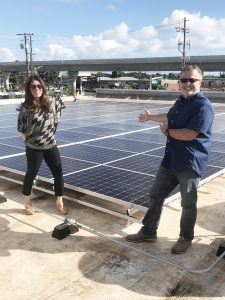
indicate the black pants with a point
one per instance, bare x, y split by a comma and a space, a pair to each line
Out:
34, 160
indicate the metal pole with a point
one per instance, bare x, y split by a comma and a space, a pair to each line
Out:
31, 53
26, 53
150, 82
184, 44
29, 63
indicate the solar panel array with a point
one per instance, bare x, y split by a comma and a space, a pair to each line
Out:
105, 151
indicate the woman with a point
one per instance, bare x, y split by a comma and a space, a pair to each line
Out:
37, 122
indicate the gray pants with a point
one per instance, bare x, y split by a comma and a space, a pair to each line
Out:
164, 183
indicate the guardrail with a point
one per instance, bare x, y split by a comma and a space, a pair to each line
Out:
152, 94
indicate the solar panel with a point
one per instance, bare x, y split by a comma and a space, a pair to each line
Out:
105, 151
220, 119
16, 163
71, 136
7, 133
123, 144
15, 140
141, 163
70, 165
9, 150
97, 130
92, 154
217, 136
115, 183
157, 152
211, 170
217, 159
218, 146
146, 136
123, 126
7, 121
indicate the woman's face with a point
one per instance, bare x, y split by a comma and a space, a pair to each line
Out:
36, 89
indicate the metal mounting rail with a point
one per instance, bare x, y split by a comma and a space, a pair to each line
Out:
160, 259
157, 258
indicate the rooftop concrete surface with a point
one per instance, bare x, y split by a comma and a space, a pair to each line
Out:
34, 265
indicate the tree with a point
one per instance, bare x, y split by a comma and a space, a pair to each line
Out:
17, 80
50, 78
117, 73
114, 74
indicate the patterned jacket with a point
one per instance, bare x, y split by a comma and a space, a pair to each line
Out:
40, 127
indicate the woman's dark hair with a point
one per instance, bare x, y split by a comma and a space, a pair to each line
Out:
44, 99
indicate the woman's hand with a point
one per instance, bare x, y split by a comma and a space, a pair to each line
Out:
23, 136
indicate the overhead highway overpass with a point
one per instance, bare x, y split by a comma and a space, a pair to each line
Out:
212, 63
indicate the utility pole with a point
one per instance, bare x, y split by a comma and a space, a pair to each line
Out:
31, 56
27, 46
182, 44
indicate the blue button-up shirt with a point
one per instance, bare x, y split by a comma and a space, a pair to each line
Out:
195, 113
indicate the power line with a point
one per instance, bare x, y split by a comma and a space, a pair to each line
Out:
167, 25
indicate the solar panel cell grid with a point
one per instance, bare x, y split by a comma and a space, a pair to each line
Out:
98, 130
17, 163
141, 163
69, 166
145, 136
6, 151
110, 153
218, 146
92, 154
116, 183
71, 136
123, 144
15, 140
217, 159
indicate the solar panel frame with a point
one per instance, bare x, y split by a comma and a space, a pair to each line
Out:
112, 130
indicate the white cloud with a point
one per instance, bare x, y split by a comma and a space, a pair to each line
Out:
113, 43
7, 55
59, 51
147, 32
205, 35
119, 32
112, 7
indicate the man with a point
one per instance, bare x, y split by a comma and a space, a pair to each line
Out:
188, 126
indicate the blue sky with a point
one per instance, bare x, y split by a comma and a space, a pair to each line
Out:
89, 29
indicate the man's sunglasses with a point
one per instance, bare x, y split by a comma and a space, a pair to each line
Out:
191, 80
34, 86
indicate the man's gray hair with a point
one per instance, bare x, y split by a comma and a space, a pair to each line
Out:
191, 68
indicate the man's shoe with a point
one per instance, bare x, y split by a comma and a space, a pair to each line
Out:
181, 246
141, 237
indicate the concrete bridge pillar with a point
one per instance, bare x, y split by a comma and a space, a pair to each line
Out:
73, 79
